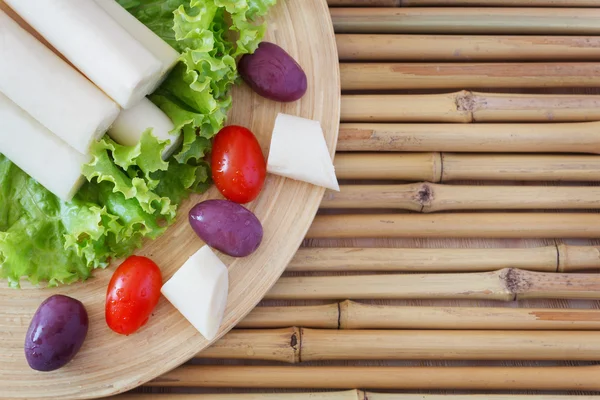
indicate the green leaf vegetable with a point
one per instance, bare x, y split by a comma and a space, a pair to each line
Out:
132, 194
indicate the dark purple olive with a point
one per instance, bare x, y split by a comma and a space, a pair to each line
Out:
56, 333
227, 227
273, 73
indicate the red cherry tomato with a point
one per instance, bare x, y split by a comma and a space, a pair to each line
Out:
132, 294
238, 165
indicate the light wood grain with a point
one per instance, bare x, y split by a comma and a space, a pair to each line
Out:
459, 225
561, 258
364, 3
354, 315
400, 76
325, 316
283, 345
448, 167
404, 396
406, 166
463, 3
407, 378
372, 47
413, 108
109, 363
296, 345
581, 137
427, 260
503, 285
464, 21
466, 106
520, 167
431, 197
346, 395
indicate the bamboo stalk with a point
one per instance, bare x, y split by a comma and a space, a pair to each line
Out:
447, 167
405, 166
459, 225
398, 76
471, 3
414, 108
458, 166
346, 345
466, 106
365, 3
318, 345
561, 258
430, 197
353, 315
372, 47
402, 396
311, 259
325, 316
574, 258
486, 285
463, 21
504, 285
272, 345
346, 395
407, 378
583, 137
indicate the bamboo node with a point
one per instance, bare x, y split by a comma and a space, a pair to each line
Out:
424, 196
296, 344
516, 283
438, 167
560, 250
465, 102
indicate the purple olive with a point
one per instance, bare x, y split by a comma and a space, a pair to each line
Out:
56, 333
273, 73
227, 227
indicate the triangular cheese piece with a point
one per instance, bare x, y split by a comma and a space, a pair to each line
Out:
198, 290
299, 151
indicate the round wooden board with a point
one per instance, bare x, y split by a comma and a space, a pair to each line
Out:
109, 363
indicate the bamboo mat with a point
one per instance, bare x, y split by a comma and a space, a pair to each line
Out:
459, 260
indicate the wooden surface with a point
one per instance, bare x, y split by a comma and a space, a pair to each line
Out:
109, 363
494, 136
466, 159
504, 149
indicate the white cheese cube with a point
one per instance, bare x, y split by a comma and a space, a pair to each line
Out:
50, 90
42, 155
298, 151
129, 126
161, 49
199, 291
95, 44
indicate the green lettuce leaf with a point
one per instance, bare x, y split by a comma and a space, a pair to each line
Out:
196, 94
131, 193
33, 228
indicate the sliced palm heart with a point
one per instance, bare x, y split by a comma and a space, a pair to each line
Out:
199, 291
299, 151
129, 126
42, 155
96, 45
50, 90
161, 49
